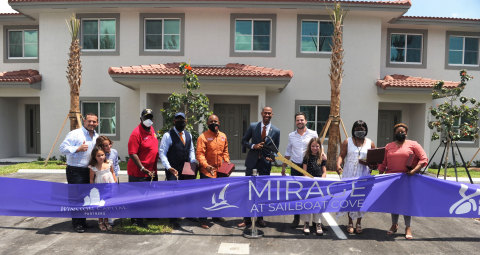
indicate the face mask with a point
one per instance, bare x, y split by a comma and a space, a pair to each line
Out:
180, 125
360, 134
147, 123
400, 137
213, 126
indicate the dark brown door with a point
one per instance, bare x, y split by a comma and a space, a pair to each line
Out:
234, 121
386, 120
32, 128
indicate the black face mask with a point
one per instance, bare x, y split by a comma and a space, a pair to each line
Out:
213, 126
360, 134
400, 137
180, 125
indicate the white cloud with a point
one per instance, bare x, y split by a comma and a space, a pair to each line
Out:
5, 8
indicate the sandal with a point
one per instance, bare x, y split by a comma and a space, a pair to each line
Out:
393, 229
108, 226
101, 226
350, 228
408, 236
358, 228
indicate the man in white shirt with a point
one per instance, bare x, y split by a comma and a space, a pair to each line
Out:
297, 145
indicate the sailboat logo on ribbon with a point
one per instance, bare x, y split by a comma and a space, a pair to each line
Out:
221, 203
467, 203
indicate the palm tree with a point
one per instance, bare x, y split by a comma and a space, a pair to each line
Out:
74, 72
336, 74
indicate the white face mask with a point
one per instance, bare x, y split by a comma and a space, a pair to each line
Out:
147, 122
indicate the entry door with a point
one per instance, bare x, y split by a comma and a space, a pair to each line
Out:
386, 120
234, 121
32, 128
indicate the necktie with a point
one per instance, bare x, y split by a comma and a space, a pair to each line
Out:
181, 137
264, 133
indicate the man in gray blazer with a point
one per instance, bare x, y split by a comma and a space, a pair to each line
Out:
260, 134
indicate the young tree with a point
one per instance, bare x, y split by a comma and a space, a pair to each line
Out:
74, 72
194, 105
336, 74
456, 118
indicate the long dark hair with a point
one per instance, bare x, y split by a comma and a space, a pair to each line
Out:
308, 152
93, 158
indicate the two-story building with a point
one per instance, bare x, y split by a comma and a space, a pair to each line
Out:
247, 54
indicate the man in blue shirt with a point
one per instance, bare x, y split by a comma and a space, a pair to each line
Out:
78, 146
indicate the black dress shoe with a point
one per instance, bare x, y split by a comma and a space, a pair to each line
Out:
261, 223
79, 228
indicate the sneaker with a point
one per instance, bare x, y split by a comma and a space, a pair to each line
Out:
306, 228
319, 230
79, 229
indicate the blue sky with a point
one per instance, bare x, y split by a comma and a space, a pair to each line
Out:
431, 8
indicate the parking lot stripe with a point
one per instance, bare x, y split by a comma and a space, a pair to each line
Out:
333, 224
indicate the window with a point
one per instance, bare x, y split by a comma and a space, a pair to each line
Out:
107, 112
21, 44
316, 36
252, 35
462, 50
405, 48
99, 33
317, 116
162, 34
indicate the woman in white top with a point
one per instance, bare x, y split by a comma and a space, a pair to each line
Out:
353, 153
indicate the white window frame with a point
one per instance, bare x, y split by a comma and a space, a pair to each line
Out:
252, 26
317, 37
463, 51
23, 43
99, 34
405, 62
163, 34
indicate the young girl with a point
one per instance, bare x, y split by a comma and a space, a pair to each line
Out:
111, 154
101, 171
314, 165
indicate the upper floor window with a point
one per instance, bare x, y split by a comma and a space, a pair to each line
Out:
316, 36
21, 44
99, 33
253, 35
162, 34
405, 48
463, 50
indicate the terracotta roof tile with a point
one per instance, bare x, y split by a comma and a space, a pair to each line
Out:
22, 76
404, 81
439, 18
229, 70
379, 2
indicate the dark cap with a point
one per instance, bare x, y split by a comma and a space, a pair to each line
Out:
146, 112
180, 114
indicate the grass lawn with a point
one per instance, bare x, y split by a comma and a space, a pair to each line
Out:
474, 172
32, 165
155, 226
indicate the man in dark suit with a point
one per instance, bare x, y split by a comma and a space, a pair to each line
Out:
259, 135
